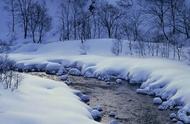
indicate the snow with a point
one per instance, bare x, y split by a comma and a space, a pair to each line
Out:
167, 79
42, 101
52, 68
157, 101
74, 71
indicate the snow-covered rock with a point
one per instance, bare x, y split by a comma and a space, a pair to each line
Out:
61, 71
167, 105
179, 122
119, 81
30, 68
174, 120
173, 115
157, 101
182, 115
41, 67
142, 91
52, 68
75, 72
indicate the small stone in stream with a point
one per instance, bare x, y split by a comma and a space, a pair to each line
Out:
119, 81
178, 107
85, 98
97, 115
112, 114
179, 122
173, 115
161, 108
79, 94
174, 120
68, 82
108, 83
64, 77
114, 122
157, 101
99, 108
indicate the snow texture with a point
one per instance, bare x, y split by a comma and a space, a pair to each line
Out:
42, 101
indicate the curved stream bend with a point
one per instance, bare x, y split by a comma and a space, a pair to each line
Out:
121, 99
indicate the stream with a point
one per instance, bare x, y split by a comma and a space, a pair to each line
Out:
120, 99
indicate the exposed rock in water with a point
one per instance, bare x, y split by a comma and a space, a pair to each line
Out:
97, 115
85, 98
157, 101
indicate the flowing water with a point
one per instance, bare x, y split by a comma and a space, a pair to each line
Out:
121, 99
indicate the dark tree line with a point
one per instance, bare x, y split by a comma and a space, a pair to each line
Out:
159, 25
154, 27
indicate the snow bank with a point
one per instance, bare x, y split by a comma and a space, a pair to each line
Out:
42, 101
162, 78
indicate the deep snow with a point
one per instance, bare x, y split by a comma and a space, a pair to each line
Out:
42, 101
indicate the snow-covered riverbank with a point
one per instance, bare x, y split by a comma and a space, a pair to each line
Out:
42, 101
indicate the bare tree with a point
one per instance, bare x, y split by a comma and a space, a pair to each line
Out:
109, 16
66, 19
12, 7
24, 7
184, 21
39, 21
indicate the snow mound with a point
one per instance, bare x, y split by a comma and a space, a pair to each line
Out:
52, 68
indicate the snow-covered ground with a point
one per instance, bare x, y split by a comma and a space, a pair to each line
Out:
162, 78
42, 101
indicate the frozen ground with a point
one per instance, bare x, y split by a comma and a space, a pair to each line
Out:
42, 101
166, 79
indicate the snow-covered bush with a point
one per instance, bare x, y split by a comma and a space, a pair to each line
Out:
8, 78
